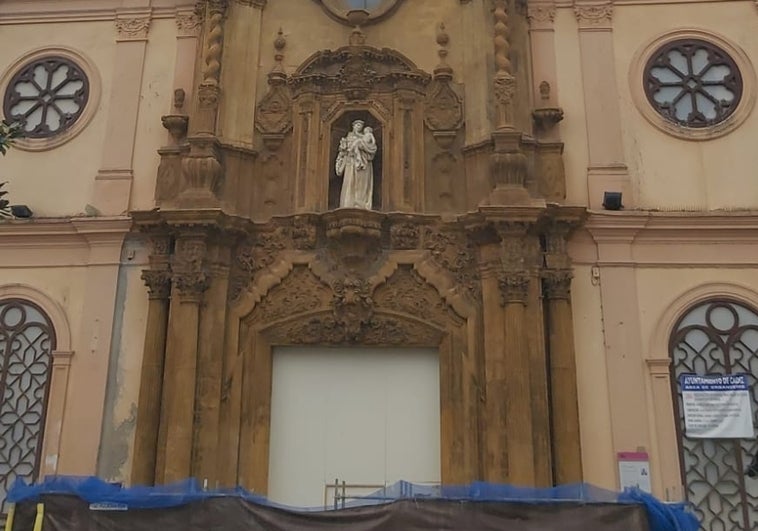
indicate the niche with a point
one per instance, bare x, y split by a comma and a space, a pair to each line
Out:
339, 129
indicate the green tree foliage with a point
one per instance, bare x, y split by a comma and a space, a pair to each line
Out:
8, 133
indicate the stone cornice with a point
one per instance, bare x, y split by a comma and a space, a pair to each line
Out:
58, 242
46, 11
673, 227
668, 239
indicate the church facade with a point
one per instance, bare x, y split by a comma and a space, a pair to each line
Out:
441, 241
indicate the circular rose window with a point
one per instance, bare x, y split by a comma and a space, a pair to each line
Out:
46, 96
376, 8
693, 83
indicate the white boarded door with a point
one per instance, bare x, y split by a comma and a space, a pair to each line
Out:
367, 416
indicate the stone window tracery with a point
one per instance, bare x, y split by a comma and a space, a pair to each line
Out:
693, 83
47, 96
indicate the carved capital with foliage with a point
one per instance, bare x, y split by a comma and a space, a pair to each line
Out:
594, 16
132, 29
514, 287
190, 274
158, 283
557, 283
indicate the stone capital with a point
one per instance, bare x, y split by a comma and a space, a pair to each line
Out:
260, 4
514, 287
191, 284
132, 29
557, 283
158, 283
188, 24
541, 15
594, 16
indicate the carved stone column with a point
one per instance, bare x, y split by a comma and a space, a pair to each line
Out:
158, 281
514, 292
495, 440
567, 455
180, 373
534, 330
210, 366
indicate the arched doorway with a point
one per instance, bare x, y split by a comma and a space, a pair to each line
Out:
717, 337
27, 341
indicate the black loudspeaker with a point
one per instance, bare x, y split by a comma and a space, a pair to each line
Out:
612, 201
21, 211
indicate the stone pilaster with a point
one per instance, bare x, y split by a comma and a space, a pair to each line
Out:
158, 281
607, 170
205, 458
190, 279
514, 292
556, 281
113, 182
495, 440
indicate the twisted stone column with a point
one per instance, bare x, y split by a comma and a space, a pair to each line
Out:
202, 166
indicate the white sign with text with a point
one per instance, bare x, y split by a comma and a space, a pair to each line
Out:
717, 406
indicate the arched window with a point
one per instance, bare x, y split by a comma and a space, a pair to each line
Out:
717, 337
27, 341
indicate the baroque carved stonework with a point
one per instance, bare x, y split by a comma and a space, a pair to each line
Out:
594, 16
453, 252
404, 236
444, 109
406, 292
323, 329
357, 71
353, 307
274, 112
132, 29
300, 292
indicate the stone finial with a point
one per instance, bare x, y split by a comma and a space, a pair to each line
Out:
279, 43
273, 116
443, 70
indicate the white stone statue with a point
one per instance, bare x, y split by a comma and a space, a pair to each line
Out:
355, 163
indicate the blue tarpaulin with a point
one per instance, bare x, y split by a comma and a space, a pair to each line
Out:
661, 516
